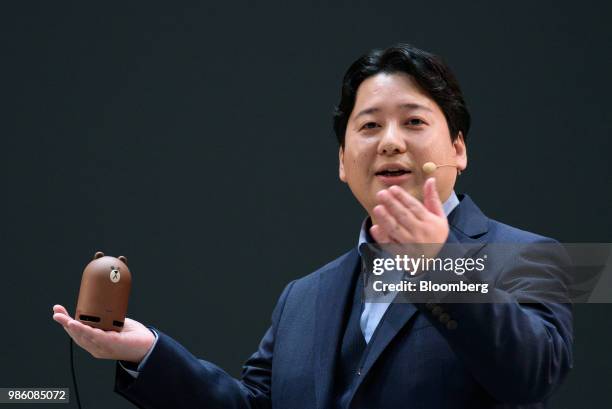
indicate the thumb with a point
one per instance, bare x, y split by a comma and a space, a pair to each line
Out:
431, 199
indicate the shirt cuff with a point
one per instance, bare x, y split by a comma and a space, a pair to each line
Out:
135, 371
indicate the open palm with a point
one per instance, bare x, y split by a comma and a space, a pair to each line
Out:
131, 344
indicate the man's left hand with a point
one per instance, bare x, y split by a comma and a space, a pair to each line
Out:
402, 219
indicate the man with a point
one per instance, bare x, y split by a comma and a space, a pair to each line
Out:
400, 108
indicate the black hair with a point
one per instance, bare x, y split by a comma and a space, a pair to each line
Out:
429, 71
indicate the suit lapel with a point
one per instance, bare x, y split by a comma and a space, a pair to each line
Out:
394, 319
468, 220
332, 298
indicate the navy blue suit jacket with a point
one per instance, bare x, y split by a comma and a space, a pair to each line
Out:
503, 355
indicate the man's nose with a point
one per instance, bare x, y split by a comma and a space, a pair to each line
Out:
392, 142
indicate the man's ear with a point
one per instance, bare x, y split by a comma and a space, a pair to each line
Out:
460, 152
341, 173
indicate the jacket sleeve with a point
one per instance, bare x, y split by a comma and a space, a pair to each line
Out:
518, 346
174, 378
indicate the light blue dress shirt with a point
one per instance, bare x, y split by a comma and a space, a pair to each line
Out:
373, 312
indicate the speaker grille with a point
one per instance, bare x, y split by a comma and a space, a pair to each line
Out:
90, 318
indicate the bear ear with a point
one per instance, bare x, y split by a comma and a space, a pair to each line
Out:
98, 255
124, 259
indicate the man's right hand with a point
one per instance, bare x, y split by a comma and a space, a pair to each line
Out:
131, 344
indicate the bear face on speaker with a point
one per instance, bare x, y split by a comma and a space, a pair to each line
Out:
105, 290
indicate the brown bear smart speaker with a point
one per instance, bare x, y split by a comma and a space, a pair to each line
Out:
104, 293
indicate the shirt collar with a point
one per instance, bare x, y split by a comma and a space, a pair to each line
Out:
364, 233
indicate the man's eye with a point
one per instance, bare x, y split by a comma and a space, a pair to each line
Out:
415, 122
369, 125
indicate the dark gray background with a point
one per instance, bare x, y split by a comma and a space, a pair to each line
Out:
196, 139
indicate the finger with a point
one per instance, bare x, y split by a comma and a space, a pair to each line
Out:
99, 337
398, 210
419, 211
61, 318
88, 345
60, 309
78, 338
431, 198
379, 235
85, 337
66, 321
391, 226
83, 330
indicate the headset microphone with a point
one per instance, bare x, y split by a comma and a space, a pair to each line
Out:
430, 167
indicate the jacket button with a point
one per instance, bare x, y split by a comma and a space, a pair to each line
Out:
451, 325
437, 310
444, 318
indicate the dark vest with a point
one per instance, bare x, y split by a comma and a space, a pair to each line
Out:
352, 349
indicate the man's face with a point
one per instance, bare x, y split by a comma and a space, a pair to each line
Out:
393, 130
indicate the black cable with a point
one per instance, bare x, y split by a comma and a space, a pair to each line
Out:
76, 389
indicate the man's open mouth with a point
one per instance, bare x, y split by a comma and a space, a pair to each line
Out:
392, 172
